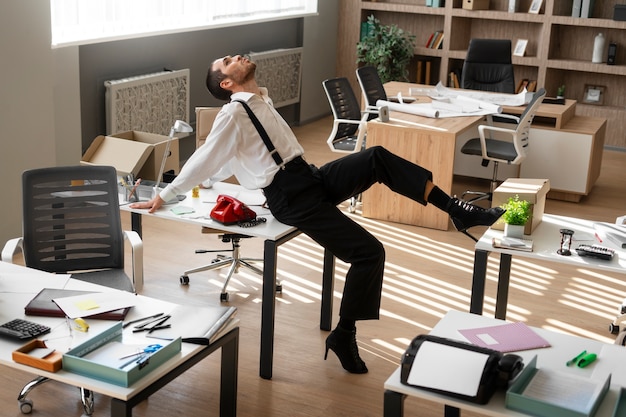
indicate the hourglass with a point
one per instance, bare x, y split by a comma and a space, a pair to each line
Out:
566, 242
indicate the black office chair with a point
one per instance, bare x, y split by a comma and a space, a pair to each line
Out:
349, 125
512, 151
488, 66
372, 88
71, 224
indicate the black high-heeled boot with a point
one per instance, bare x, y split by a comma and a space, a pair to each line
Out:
343, 343
465, 215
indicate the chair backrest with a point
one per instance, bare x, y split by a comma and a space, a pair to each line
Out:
205, 116
371, 86
488, 66
71, 219
343, 103
520, 139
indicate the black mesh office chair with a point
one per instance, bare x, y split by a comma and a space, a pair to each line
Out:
349, 124
510, 148
488, 66
372, 88
71, 224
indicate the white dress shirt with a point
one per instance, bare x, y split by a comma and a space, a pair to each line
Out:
235, 147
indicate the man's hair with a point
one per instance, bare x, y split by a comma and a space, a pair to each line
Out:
213, 79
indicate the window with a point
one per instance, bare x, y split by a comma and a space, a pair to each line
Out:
76, 22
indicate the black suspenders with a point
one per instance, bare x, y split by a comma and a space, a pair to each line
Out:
266, 139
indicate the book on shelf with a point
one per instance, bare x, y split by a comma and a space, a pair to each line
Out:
521, 85
419, 72
427, 73
438, 43
532, 86
430, 39
515, 243
576, 6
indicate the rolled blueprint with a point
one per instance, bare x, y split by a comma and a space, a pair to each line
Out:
416, 109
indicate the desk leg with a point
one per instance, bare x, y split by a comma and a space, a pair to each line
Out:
328, 287
478, 281
449, 411
504, 276
393, 404
135, 223
228, 380
268, 309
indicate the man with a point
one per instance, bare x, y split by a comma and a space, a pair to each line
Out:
305, 196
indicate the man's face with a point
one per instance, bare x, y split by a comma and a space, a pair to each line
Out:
236, 68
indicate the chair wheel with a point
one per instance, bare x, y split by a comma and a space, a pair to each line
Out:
184, 280
224, 297
26, 406
279, 288
614, 329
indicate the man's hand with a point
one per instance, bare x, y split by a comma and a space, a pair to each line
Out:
152, 205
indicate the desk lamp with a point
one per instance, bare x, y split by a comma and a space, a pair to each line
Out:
179, 127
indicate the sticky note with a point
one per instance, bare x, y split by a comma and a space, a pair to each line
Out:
87, 305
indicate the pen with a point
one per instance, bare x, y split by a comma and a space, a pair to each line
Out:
141, 319
134, 188
160, 320
575, 360
598, 237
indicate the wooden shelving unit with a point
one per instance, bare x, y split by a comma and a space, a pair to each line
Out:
558, 53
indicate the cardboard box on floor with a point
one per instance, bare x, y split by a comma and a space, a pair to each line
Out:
139, 153
532, 190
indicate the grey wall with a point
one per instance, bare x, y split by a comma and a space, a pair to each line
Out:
53, 100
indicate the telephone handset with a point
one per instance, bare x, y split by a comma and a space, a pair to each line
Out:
229, 210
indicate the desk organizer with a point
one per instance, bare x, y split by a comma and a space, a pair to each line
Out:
50, 363
76, 361
518, 399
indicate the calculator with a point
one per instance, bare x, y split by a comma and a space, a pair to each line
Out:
22, 329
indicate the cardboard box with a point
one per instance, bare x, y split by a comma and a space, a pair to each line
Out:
134, 152
476, 4
127, 157
97, 358
532, 190
152, 166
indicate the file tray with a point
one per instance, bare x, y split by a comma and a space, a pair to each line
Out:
100, 358
548, 393
620, 404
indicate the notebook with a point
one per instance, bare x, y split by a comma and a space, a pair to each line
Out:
42, 305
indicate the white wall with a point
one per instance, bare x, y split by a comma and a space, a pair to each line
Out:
34, 102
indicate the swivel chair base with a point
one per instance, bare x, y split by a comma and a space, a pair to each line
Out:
26, 404
234, 262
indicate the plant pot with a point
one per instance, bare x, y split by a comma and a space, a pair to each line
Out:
514, 230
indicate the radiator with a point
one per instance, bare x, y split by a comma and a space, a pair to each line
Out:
280, 70
147, 103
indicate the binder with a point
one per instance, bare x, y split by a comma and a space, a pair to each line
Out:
42, 305
576, 6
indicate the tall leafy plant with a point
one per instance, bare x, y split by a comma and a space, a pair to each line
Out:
388, 48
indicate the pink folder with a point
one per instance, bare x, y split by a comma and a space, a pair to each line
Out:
508, 337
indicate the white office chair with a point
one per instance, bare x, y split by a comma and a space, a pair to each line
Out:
511, 151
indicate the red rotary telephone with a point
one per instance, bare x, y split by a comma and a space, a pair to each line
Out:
229, 210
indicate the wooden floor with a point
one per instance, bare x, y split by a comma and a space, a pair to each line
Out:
428, 272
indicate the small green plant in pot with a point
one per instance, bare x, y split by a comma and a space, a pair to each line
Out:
517, 213
387, 48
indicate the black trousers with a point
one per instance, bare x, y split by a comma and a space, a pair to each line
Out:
306, 197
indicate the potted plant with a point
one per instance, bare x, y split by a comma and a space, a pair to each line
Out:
517, 213
387, 48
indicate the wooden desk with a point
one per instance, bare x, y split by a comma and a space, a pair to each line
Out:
19, 284
425, 141
565, 148
547, 240
563, 347
275, 234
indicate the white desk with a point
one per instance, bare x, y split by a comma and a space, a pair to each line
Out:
18, 285
275, 234
547, 240
563, 347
